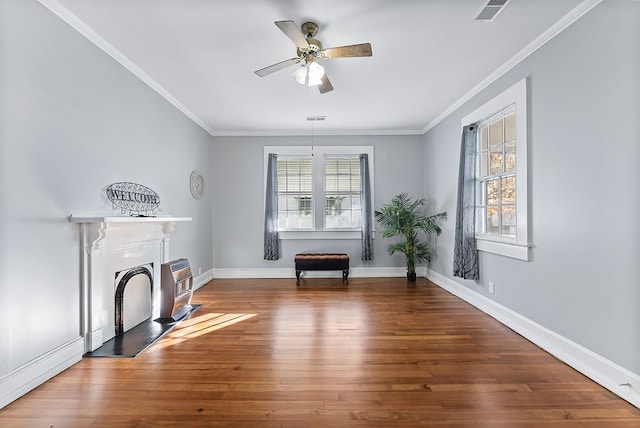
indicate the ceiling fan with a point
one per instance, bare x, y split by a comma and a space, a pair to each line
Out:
309, 50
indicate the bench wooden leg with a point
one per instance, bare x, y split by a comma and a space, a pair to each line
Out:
345, 275
298, 277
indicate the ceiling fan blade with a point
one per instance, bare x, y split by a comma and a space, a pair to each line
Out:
292, 31
326, 85
278, 66
363, 49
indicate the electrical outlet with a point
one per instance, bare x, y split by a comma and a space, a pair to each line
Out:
199, 271
492, 287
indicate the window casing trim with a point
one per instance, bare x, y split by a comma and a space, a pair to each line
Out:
519, 247
318, 153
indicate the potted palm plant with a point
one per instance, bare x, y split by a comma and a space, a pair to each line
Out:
403, 218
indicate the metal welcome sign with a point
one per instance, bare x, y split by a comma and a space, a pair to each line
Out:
133, 198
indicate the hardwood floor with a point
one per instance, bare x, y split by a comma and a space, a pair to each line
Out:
265, 353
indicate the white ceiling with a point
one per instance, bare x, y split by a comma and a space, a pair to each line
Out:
428, 57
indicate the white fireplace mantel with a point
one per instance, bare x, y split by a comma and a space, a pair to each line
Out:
109, 244
95, 227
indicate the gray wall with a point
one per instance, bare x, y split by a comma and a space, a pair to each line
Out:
72, 121
584, 105
239, 208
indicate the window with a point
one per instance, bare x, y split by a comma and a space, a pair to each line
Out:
319, 190
496, 161
342, 192
501, 174
295, 197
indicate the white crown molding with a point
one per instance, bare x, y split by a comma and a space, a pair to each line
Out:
571, 17
75, 22
316, 133
79, 25
610, 375
23, 379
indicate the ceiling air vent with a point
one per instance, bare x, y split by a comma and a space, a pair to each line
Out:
490, 10
316, 118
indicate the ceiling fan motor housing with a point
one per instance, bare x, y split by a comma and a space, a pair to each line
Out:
312, 52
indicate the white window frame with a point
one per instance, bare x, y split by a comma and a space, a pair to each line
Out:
318, 154
517, 248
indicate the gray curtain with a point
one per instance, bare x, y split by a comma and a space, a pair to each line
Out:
365, 203
465, 252
271, 251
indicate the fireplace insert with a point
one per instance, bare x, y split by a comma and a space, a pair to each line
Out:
176, 290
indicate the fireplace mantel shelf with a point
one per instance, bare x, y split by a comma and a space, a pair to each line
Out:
81, 218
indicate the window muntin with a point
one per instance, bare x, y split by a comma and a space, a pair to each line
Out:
496, 149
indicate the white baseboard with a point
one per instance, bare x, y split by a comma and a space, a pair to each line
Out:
201, 280
23, 379
356, 272
610, 375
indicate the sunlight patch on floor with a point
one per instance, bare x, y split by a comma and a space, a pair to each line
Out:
200, 325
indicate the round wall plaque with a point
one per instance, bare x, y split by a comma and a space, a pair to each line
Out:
196, 184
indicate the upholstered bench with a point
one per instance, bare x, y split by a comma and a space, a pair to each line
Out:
322, 261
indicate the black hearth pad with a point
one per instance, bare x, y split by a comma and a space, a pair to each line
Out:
137, 339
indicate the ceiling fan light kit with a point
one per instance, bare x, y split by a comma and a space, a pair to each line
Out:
311, 73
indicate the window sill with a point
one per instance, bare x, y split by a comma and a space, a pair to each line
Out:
321, 234
508, 249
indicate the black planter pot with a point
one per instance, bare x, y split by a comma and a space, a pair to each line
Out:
411, 277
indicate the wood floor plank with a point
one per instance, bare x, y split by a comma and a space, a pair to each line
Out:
265, 353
